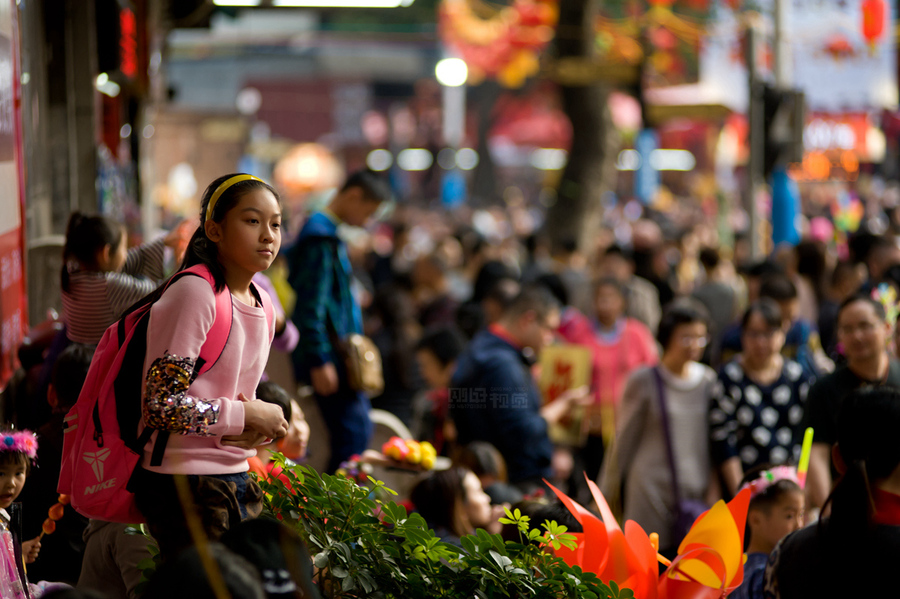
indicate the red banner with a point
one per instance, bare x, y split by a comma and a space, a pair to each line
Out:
13, 304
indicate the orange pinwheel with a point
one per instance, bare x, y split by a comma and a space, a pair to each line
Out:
627, 558
709, 564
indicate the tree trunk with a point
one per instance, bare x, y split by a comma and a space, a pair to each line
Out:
484, 181
590, 171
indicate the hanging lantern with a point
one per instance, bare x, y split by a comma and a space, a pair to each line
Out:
873, 16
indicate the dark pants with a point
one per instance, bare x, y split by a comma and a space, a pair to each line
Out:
219, 502
588, 462
346, 414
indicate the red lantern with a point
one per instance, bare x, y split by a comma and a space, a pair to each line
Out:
873, 13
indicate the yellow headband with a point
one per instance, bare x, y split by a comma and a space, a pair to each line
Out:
221, 189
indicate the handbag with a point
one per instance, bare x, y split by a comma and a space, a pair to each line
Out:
359, 354
686, 510
362, 361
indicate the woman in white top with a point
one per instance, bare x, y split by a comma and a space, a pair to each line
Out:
640, 453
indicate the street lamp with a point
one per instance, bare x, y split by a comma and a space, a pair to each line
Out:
452, 73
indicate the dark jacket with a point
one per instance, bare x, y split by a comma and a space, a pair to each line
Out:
493, 398
320, 273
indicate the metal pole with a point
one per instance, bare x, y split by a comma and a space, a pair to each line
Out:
756, 123
782, 48
454, 123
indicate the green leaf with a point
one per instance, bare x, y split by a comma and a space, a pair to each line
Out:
344, 550
468, 544
500, 560
146, 564
321, 559
367, 582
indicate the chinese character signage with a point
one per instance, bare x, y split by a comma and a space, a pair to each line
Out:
13, 318
565, 368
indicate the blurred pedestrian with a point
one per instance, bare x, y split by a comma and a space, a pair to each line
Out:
326, 312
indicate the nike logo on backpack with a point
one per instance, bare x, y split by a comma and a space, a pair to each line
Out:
95, 459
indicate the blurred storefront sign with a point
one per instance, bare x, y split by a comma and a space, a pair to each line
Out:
838, 60
835, 146
13, 310
849, 131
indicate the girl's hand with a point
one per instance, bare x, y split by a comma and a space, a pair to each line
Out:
265, 418
31, 549
246, 440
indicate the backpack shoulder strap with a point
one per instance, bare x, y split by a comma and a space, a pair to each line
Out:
218, 334
266, 301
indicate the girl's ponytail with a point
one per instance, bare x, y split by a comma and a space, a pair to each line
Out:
852, 505
85, 236
74, 222
867, 444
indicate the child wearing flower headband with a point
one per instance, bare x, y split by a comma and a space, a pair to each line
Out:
18, 450
776, 510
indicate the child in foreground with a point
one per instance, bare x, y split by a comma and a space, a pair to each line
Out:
18, 450
293, 445
776, 510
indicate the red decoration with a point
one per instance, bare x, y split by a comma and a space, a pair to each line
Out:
873, 13
127, 43
503, 43
839, 47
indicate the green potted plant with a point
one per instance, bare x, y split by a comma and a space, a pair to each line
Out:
365, 545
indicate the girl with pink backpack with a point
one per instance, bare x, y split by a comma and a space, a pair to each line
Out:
205, 416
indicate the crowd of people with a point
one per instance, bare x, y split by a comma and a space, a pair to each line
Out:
705, 369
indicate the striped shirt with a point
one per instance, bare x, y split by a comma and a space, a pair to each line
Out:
96, 299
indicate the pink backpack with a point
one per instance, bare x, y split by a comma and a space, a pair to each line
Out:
101, 447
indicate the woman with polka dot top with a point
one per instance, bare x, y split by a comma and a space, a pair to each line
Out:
757, 403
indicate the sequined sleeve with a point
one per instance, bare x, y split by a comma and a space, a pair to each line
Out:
167, 405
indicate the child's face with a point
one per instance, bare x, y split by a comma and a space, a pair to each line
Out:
436, 375
293, 445
478, 504
790, 310
12, 480
112, 257
250, 235
609, 303
783, 518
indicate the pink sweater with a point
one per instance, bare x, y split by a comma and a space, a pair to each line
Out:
198, 414
612, 363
